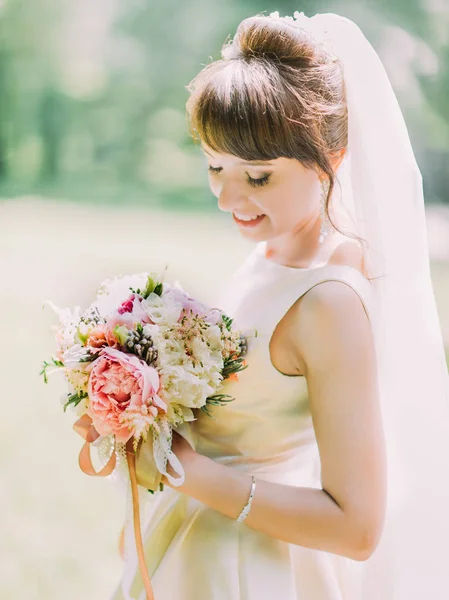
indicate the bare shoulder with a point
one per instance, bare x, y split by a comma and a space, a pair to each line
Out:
330, 319
331, 302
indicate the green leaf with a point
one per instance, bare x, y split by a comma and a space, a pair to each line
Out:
159, 289
150, 287
75, 399
227, 321
233, 365
206, 411
121, 333
54, 363
88, 358
216, 400
81, 337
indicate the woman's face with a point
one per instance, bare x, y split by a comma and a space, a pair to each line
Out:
266, 199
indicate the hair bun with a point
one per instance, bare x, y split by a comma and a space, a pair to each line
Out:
271, 39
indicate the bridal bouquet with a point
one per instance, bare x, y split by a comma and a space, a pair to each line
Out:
139, 362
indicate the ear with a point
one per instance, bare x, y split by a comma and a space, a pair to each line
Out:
335, 160
337, 157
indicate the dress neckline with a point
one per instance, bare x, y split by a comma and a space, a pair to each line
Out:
259, 252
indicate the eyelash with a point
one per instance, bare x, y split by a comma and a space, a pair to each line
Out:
253, 182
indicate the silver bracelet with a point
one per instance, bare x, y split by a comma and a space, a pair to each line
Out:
242, 516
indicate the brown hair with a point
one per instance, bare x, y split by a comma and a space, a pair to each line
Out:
276, 92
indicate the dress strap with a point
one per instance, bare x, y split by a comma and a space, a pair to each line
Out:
350, 276
295, 287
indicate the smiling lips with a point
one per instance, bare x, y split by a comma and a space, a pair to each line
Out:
247, 220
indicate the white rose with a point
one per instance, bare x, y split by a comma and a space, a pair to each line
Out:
113, 292
162, 311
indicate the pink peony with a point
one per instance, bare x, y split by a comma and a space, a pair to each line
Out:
214, 316
120, 383
192, 305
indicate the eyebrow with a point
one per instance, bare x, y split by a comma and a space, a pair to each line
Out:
252, 163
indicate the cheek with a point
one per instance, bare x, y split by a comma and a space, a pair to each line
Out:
298, 225
213, 186
293, 205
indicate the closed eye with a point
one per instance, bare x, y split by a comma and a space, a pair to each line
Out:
259, 182
253, 182
215, 169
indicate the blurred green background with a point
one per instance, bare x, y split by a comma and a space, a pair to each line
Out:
98, 177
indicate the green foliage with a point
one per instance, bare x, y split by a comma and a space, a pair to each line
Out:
233, 366
216, 400
227, 321
54, 363
77, 122
74, 399
152, 287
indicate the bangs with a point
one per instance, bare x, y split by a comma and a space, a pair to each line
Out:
244, 108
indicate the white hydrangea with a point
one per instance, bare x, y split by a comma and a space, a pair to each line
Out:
185, 388
178, 414
171, 350
210, 373
208, 358
214, 337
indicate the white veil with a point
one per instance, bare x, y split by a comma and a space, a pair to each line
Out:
382, 188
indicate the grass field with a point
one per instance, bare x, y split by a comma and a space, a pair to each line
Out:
60, 528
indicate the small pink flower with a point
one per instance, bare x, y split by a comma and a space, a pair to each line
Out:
127, 305
121, 383
129, 313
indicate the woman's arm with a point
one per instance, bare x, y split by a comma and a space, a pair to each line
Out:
333, 337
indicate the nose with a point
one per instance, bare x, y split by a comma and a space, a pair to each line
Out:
229, 197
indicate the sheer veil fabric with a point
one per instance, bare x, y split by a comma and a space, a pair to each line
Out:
381, 189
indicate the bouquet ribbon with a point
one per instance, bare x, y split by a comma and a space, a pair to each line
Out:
85, 428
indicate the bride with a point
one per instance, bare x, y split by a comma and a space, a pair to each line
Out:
327, 478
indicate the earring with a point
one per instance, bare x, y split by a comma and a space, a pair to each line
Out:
326, 225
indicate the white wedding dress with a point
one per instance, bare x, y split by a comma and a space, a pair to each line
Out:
194, 552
